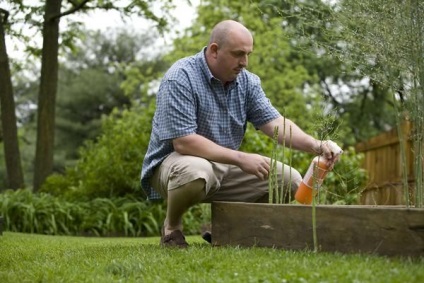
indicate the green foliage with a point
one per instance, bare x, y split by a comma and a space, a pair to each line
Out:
345, 183
109, 166
26, 141
386, 38
255, 141
82, 101
43, 213
89, 89
363, 104
29, 16
24, 211
24, 24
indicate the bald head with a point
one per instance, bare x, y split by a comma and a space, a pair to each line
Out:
226, 30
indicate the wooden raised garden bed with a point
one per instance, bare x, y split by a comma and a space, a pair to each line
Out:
382, 230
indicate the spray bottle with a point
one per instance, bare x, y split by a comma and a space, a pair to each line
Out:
315, 175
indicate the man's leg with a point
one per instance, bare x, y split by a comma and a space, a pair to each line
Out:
182, 181
180, 200
240, 186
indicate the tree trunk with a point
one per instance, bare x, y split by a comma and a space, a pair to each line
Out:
43, 166
15, 177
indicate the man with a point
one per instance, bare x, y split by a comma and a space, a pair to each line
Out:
203, 105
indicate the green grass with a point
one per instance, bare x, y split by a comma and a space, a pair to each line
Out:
40, 258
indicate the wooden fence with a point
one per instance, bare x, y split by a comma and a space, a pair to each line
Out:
385, 164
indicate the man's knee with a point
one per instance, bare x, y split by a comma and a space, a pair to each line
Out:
192, 192
192, 170
177, 171
195, 185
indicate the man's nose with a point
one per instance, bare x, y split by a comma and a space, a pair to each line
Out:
244, 61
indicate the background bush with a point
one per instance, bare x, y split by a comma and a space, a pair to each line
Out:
27, 212
111, 165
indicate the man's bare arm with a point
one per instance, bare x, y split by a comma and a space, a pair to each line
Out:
290, 133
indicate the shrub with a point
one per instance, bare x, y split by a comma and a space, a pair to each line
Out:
109, 166
344, 184
42, 213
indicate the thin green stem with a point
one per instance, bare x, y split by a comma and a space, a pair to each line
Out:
314, 225
282, 160
290, 165
273, 178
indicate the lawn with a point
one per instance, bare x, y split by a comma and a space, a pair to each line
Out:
40, 258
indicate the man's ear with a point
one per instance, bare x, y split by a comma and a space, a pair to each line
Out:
213, 47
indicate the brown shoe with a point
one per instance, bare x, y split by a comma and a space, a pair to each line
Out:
175, 239
207, 236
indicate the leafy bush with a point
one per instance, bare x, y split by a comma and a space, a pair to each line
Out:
42, 213
344, 184
24, 211
110, 166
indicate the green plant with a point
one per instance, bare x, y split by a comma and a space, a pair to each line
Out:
25, 211
109, 166
346, 181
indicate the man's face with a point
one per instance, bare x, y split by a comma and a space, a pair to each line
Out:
233, 57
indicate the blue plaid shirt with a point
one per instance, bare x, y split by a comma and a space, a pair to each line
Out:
192, 101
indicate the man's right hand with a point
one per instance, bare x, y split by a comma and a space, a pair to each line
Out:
255, 164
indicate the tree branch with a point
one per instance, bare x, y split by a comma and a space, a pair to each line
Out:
73, 2
70, 11
329, 93
6, 15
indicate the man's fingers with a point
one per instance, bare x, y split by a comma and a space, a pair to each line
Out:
262, 174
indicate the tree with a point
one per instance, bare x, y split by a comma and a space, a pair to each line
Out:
316, 40
90, 89
386, 39
9, 131
47, 94
52, 13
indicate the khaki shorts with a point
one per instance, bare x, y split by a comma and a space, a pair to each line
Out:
223, 182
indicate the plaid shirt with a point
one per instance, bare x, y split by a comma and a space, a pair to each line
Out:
192, 101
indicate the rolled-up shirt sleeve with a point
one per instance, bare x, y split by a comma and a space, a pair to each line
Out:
176, 111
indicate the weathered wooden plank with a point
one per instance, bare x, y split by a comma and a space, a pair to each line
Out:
349, 229
377, 142
386, 193
389, 138
383, 159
